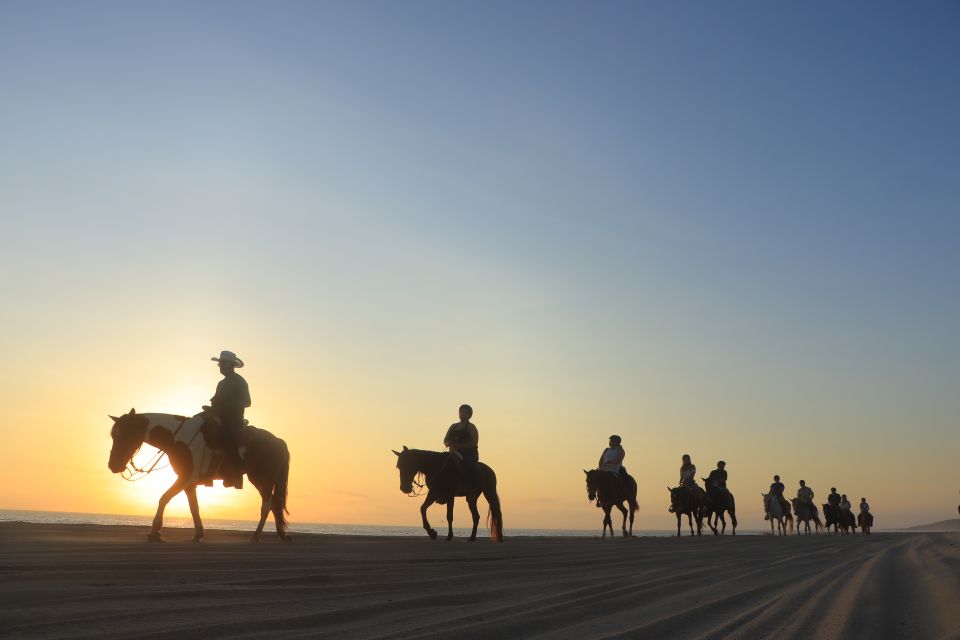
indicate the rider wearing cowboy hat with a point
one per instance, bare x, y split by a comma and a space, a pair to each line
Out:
228, 404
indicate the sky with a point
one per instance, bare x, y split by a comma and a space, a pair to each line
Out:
723, 230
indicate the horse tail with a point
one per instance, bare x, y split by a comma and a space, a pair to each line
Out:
494, 514
278, 501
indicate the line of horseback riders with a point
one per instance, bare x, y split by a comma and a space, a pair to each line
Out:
837, 511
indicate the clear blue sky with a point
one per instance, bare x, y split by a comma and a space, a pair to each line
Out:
740, 212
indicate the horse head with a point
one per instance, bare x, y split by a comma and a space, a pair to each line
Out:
676, 497
408, 469
591, 484
128, 433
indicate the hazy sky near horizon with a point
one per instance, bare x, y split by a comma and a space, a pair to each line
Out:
725, 230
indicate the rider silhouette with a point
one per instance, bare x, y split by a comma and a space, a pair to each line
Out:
718, 477
462, 437
228, 404
776, 493
611, 460
688, 473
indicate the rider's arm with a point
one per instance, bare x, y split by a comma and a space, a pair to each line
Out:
621, 455
474, 436
446, 438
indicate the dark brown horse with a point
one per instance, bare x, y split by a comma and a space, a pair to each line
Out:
266, 462
865, 522
689, 501
609, 491
443, 479
846, 522
719, 501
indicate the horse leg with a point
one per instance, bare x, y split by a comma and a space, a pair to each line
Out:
624, 525
476, 516
429, 500
195, 512
690, 521
450, 520
607, 521
678, 514
632, 512
265, 499
175, 488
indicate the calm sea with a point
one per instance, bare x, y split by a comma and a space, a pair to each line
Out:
59, 517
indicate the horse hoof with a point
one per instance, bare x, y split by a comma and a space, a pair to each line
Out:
198, 538
449, 538
286, 538
432, 534
254, 538
154, 537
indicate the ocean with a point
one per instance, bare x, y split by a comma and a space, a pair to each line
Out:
62, 517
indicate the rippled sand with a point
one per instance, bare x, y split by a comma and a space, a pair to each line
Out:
80, 581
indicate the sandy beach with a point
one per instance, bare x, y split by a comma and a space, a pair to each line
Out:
87, 581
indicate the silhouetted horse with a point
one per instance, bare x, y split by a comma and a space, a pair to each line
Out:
443, 479
846, 522
775, 510
831, 517
865, 522
804, 515
266, 462
719, 501
608, 490
685, 500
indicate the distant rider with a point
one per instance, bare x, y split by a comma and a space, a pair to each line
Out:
688, 473
844, 503
462, 438
776, 493
611, 460
228, 404
718, 477
805, 495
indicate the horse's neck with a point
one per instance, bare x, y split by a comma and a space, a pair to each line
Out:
429, 462
162, 421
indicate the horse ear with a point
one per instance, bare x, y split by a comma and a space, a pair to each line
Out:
586, 472
114, 418
405, 448
669, 489
396, 452
132, 411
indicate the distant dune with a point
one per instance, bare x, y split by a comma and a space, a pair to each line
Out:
943, 525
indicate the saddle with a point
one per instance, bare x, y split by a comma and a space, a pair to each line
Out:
221, 466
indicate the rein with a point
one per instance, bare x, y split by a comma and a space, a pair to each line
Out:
420, 486
132, 473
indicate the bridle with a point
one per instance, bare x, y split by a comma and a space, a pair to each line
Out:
131, 472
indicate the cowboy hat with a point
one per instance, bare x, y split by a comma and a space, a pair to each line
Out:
229, 357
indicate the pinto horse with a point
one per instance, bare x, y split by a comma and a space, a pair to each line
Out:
718, 502
689, 501
266, 462
608, 490
443, 479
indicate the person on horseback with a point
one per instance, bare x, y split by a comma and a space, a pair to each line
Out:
611, 460
864, 506
805, 495
462, 439
718, 477
834, 498
228, 404
844, 503
688, 473
776, 493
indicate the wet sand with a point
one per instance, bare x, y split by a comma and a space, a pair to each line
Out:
86, 581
